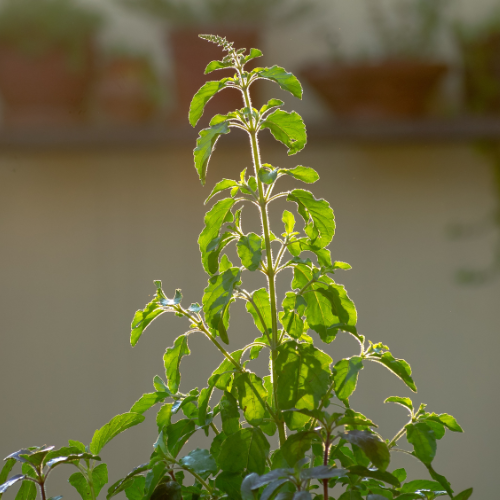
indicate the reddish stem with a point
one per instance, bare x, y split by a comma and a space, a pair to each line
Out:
325, 462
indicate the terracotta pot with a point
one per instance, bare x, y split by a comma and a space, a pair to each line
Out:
44, 90
124, 93
383, 91
481, 75
191, 56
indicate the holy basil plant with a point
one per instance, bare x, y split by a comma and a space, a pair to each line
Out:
292, 434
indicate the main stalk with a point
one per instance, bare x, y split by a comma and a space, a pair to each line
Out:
270, 271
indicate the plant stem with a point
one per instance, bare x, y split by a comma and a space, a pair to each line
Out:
271, 275
398, 436
325, 462
42, 490
197, 477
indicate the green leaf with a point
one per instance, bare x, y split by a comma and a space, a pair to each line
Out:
250, 387
230, 414
261, 299
203, 400
296, 446
406, 402
147, 401
322, 472
172, 360
355, 420
153, 478
317, 211
64, 452
114, 427
351, 495
374, 448
169, 489
35, 456
178, 434
163, 416
247, 491
4, 473
27, 491
230, 483
304, 174
222, 375
346, 376
135, 489
249, 249
214, 250
292, 323
272, 103
289, 221
288, 128
78, 481
200, 461
268, 174
294, 306
303, 380
13, 480
124, 483
420, 484
253, 54
205, 145
77, 444
99, 478
53, 462
221, 186
246, 449
162, 298
225, 264
217, 296
423, 439
440, 479
214, 219
446, 420
143, 318
385, 476
400, 474
200, 99
287, 81
329, 308
214, 65
398, 366
464, 495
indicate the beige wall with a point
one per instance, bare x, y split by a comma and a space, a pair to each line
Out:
84, 233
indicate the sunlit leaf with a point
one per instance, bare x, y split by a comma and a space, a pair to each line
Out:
288, 128
246, 449
249, 249
206, 92
317, 211
205, 145
287, 81
303, 379
374, 448
172, 361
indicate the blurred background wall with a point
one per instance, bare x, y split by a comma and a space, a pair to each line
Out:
84, 231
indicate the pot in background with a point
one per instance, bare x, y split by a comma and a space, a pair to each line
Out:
46, 90
190, 55
127, 91
481, 74
387, 90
